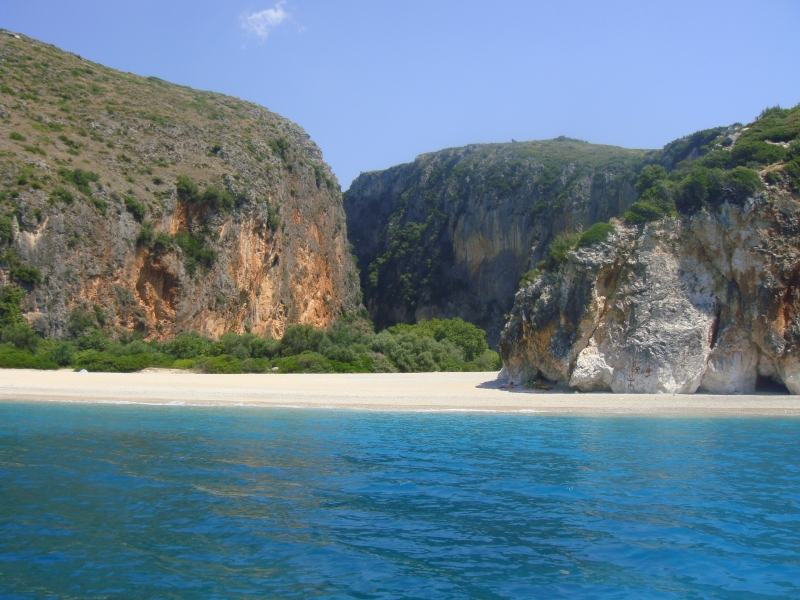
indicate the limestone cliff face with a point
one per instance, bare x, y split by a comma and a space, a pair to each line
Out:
89, 160
695, 288
705, 303
451, 233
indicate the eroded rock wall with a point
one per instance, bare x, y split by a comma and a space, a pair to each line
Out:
451, 233
706, 303
278, 248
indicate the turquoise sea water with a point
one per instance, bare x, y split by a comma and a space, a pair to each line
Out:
188, 502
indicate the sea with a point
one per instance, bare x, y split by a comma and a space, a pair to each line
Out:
143, 501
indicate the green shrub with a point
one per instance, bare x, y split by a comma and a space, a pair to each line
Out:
13, 358
60, 352
106, 362
10, 299
413, 353
488, 361
184, 363
100, 205
133, 206
80, 179
194, 250
529, 277
222, 364
146, 233
381, 364
649, 177
740, 184
16, 136
186, 188
188, 345
81, 321
642, 212
61, 195
279, 147
256, 365
775, 124
561, 245
300, 338
596, 234
712, 187
6, 230
697, 189
470, 338
35, 150
654, 203
162, 242
266, 347
306, 362
792, 170
751, 152
25, 274
217, 198
273, 221
95, 339
21, 336
234, 344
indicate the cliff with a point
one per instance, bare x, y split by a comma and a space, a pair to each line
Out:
452, 233
160, 208
696, 288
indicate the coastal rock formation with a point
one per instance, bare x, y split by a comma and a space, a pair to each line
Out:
158, 208
705, 303
451, 233
696, 287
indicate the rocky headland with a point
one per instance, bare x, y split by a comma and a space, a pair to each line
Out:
696, 288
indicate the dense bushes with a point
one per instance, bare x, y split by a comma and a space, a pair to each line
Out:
711, 187
194, 250
80, 179
712, 167
596, 234
349, 345
213, 196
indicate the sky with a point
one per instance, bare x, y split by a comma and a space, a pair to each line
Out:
377, 82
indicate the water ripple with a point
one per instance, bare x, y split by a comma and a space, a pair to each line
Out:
181, 501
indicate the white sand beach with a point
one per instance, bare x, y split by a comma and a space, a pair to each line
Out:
399, 392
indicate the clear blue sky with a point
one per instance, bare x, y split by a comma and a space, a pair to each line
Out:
377, 82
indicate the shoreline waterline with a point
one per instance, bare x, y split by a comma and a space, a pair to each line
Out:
402, 392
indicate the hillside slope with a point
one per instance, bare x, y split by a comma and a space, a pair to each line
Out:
452, 233
697, 287
159, 208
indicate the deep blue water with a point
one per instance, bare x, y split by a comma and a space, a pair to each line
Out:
187, 502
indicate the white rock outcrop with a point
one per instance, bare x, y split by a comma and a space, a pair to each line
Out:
704, 303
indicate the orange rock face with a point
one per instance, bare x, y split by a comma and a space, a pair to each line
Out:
95, 206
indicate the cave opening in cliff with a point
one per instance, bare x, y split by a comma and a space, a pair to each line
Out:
768, 385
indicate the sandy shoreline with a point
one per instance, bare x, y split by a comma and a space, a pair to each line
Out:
398, 392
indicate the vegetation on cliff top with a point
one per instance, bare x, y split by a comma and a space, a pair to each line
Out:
714, 166
701, 171
349, 345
